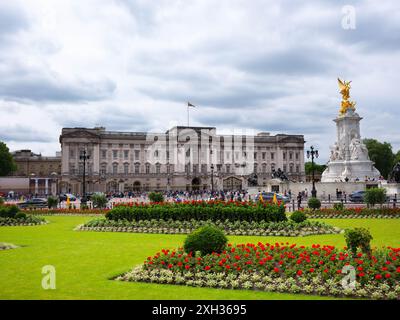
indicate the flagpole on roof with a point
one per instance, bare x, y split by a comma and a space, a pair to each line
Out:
188, 106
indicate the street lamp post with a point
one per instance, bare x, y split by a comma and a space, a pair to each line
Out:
212, 178
313, 154
84, 157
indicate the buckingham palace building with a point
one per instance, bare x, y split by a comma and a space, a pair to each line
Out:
182, 158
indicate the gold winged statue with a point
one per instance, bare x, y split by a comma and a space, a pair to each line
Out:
344, 87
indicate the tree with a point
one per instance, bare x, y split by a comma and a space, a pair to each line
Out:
396, 158
318, 168
7, 163
381, 154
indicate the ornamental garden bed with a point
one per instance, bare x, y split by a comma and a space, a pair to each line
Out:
7, 246
65, 212
262, 228
12, 216
354, 213
200, 210
235, 218
277, 267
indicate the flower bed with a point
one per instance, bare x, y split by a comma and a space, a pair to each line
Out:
200, 210
64, 212
353, 213
7, 246
22, 221
277, 267
262, 228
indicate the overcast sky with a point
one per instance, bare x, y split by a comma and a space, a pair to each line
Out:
252, 64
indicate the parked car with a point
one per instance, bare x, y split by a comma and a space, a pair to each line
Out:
269, 196
33, 203
63, 197
357, 196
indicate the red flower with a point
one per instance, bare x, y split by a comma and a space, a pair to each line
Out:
207, 268
170, 266
398, 270
187, 267
378, 277
228, 266
312, 269
321, 262
387, 275
299, 272
276, 270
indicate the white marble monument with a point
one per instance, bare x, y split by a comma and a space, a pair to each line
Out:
349, 160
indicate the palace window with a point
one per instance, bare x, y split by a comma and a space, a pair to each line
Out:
228, 168
297, 156
264, 167
147, 168
290, 155
263, 155
272, 156
126, 154
297, 168
284, 156
137, 168
203, 168
137, 154
115, 168
103, 154
158, 168
126, 168
115, 154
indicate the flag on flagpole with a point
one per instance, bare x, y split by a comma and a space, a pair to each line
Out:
191, 105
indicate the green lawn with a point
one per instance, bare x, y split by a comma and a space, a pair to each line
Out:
85, 261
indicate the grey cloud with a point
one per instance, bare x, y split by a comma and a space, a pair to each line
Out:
23, 84
12, 19
19, 133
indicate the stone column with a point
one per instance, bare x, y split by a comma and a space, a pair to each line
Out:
96, 159
46, 186
64, 159
36, 185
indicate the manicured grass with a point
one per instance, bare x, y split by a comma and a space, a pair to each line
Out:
85, 261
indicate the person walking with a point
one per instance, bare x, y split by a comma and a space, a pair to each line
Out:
299, 198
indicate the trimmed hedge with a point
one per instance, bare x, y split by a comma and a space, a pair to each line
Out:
199, 211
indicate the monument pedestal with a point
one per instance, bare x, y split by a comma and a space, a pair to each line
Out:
349, 160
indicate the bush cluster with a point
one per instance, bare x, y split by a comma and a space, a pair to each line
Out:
375, 196
199, 211
156, 197
314, 203
207, 239
298, 216
358, 238
9, 211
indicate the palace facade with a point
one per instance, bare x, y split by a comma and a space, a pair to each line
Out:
183, 158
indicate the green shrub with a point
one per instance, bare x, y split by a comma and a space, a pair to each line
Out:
298, 216
20, 215
8, 212
1, 201
99, 200
198, 211
84, 206
52, 202
338, 206
207, 239
156, 197
314, 203
375, 196
358, 238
